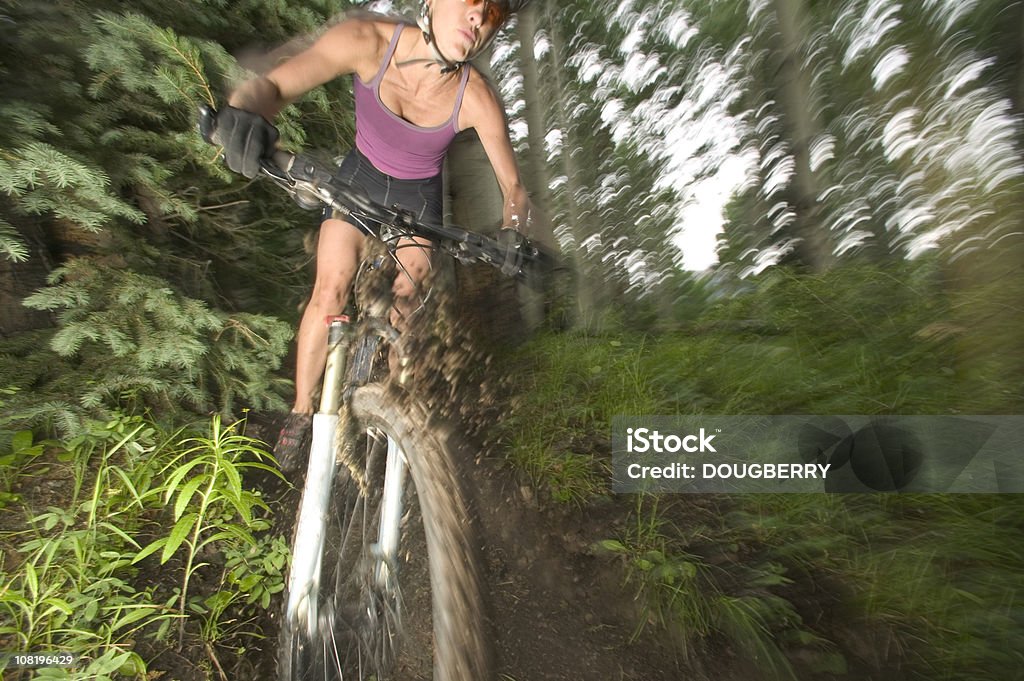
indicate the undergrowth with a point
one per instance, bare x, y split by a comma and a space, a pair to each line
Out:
85, 517
924, 586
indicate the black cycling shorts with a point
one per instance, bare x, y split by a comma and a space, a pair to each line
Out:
423, 198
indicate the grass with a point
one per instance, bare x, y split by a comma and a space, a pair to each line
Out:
576, 385
928, 584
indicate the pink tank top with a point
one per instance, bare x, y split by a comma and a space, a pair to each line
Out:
394, 145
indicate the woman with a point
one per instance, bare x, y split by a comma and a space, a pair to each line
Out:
414, 89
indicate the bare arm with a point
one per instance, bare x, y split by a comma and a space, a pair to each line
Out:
484, 111
345, 48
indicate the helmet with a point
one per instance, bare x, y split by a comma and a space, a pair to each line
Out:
509, 7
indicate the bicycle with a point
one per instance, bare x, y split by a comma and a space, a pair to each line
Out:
382, 506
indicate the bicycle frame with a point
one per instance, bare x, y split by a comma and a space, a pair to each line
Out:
431, 469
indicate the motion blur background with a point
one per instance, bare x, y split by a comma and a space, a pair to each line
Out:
767, 207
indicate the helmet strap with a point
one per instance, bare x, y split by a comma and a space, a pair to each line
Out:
447, 65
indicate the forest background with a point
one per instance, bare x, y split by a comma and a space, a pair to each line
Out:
866, 155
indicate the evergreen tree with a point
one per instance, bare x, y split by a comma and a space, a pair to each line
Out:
103, 169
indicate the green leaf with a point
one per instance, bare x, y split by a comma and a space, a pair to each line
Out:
249, 582
263, 467
119, 532
228, 531
135, 614
178, 535
59, 604
129, 484
612, 545
233, 478
21, 440
134, 667
110, 662
185, 496
31, 580
178, 475
220, 600
49, 521
151, 548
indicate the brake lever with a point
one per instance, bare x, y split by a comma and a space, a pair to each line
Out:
525, 259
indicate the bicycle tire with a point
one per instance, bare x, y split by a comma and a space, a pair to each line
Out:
364, 629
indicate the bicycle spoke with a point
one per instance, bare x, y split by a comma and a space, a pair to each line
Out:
375, 607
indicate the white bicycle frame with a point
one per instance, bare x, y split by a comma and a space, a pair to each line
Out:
307, 551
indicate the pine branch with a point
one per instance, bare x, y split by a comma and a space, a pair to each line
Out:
41, 179
20, 119
179, 65
175, 349
11, 244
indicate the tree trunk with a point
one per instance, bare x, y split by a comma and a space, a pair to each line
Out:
18, 280
587, 286
1018, 94
536, 174
985, 289
486, 299
554, 300
797, 108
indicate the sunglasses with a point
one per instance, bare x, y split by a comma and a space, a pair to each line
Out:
494, 13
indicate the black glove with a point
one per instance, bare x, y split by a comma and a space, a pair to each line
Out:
246, 137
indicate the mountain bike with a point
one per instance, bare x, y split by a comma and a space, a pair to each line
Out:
383, 541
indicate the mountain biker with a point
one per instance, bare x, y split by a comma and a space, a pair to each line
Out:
414, 89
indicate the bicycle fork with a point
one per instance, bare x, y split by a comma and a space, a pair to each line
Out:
307, 552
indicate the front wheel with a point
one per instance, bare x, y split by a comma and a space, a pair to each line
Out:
397, 592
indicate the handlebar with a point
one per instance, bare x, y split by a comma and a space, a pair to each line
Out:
312, 186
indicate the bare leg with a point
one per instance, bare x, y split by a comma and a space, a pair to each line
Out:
337, 256
414, 257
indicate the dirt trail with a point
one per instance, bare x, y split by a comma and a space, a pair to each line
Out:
560, 611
